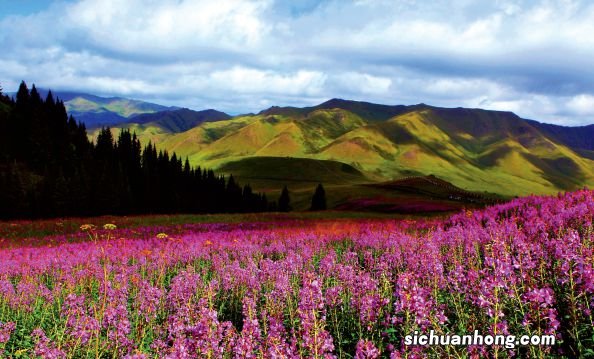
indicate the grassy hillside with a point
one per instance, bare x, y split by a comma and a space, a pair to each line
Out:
476, 150
301, 175
369, 111
347, 188
179, 120
580, 137
289, 170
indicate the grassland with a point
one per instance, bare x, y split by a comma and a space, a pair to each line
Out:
22, 233
476, 150
308, 288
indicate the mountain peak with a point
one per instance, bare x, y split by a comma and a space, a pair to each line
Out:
337, 102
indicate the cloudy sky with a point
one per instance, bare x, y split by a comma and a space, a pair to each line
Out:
530, 57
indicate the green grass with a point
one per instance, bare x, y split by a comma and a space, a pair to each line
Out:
476, 150
11, 230
293, 170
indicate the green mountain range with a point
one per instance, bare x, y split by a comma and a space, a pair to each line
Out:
476, 150
96, 111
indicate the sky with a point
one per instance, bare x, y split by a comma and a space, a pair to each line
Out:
530, 57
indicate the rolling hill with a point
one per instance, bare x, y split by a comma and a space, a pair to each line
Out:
289, 170
179, 120
476, 150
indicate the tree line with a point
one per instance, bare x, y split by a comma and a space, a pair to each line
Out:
50, 168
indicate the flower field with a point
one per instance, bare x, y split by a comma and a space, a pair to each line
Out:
306, 289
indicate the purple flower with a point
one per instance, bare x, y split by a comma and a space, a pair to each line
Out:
44, 347
248, 343
316, 341
6, 330
366, 350
79, 324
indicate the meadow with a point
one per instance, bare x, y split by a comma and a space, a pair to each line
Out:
303, 286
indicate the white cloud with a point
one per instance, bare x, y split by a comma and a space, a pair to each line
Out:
141, 26
582, 105
531, 57
363, 83
245, 80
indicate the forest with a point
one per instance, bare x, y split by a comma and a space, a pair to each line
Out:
50, 168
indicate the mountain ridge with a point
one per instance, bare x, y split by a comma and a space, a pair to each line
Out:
179, 120
475, 149
96, 111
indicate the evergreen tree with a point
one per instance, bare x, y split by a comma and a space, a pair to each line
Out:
318, 201
20, 125
13, 194
48, 168
284, 201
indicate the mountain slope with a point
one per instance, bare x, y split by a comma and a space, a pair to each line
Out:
580, 137
290, 170
474, 149
179, 120
96, 111
367, 110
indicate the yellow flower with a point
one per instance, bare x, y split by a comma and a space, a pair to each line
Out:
87, 227
162, 235
208, 243
109, 226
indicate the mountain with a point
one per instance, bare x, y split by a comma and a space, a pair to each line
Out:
474, 149
179, 120
357, 149
367, 110
579, 138
95, 111
157, 127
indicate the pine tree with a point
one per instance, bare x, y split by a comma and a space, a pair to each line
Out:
284, 201
248, 203
233, 196
318, 201
22, 96
13, 194
20, 124
49, 167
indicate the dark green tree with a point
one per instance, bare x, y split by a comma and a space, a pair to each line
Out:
49, 168
234, 196
318, 201
284, 201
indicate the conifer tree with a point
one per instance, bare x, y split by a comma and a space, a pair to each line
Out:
318, 201
284, 201
49, 168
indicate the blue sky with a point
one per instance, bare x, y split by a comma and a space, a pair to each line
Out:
22, 7
530, 57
